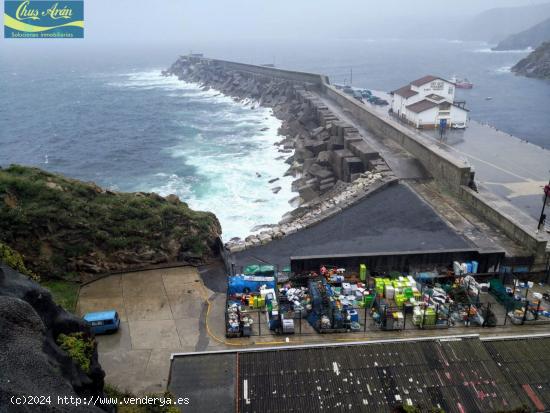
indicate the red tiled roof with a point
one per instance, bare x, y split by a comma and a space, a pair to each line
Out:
405, 91
424, 80
421, 106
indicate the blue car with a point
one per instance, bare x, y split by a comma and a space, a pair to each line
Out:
103, 322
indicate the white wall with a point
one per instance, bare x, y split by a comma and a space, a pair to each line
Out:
439, 87
399, 103
396, 103
458, 114
431, 116
428, 117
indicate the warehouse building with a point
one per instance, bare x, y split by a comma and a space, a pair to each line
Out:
456, 374
391, 230
429, 102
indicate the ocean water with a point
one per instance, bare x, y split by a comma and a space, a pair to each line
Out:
109, 117
519, 105
139, 131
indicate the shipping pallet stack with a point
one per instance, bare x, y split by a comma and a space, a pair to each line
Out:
325, 316
244, 298
238, 323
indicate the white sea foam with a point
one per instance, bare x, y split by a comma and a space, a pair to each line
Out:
489, 50
452, 41
504, 69
234, 143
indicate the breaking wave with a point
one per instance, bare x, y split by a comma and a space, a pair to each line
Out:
504, 70
489, 50
229, 148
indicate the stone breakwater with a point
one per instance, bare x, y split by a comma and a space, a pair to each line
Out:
334, 167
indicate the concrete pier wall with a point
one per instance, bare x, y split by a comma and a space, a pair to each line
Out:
291, 75
492, 211
448, 171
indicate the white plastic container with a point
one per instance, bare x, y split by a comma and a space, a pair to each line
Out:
457, 268
346, 288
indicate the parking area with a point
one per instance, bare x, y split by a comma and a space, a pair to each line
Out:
169, 311
160, 311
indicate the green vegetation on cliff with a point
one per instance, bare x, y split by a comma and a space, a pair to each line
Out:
64, 293
64, 227
532, 37
537, 64
79, 348
14, 260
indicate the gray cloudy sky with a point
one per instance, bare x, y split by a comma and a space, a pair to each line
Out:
200, 22
174, 21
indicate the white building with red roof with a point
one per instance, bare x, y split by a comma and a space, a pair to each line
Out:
429, 102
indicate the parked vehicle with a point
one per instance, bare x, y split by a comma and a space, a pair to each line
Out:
375, 100
103, 322
458, 125
366, 93
348, 90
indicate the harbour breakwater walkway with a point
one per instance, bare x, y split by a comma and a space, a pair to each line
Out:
340, 145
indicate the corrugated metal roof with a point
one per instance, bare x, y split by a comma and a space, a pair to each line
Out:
459, 374
526, 366
452, 375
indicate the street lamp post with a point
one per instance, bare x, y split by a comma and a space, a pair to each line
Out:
546, 195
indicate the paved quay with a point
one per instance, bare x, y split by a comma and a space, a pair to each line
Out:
161, 312
508, 166
172, 311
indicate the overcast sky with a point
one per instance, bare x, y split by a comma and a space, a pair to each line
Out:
186, 22
179, 20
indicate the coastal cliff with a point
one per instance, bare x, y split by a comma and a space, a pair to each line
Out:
64, 228
495, 24
536, 65
37, 355
532, 37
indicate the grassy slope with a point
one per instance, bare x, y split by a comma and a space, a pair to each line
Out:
54, 221
65, 293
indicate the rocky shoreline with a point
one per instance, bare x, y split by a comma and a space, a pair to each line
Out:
536, 65
334, 167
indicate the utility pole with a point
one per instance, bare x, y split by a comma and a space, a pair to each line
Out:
542, 216
351, 76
